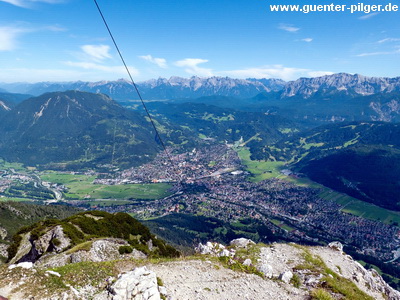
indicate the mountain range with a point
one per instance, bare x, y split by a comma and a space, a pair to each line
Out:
194, 87
156, 89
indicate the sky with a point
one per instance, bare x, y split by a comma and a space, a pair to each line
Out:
66, 40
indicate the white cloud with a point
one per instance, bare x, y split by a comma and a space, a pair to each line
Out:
288, 27
36, 75
379, 53
97, 52
389, 40
307, 40
9, 34
55, 28
98, 67
191, 66
274, 71
28, 3
319, 73
8, 37
368, 16
161, 62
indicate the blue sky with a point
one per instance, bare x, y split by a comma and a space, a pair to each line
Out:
65, 40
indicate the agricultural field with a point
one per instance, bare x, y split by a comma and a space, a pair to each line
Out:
360, 208
14, 199
260, 169
82, 187
282, 225
7, 165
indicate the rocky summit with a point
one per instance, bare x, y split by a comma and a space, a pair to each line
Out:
241, 270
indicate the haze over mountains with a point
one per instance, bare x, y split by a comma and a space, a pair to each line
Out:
311, 101
340, 131
194, 87
276, 120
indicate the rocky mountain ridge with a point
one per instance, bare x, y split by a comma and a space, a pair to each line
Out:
161, 88
96, 255
359, 84
195, 87
242, 270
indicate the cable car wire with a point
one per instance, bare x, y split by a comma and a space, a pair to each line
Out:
158, 137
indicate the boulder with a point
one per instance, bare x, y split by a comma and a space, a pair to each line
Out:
53, 240
247, 262
266, 269
336, 246
286, 276
241, 243
138, 284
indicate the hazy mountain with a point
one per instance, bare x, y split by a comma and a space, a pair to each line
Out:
195, 87
328, 107
75, 126
362, 85
175, 87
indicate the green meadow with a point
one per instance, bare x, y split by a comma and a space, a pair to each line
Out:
260, 169
81, 187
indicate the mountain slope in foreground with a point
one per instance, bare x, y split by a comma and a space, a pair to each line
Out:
96, 255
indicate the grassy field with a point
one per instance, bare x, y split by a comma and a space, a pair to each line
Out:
81, 186
282, 225
260, 169
14, 199
7, 165
108, 202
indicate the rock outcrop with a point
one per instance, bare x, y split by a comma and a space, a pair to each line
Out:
214, 249
97, 251
138, 284
53, 240
3, 233
247, 271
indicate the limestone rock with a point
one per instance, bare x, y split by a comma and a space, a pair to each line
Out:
336, 245
3, 250
54, 240
286, 276
247, 262
3, 233
241, 243
214, 249
139, 284
24, 248
266, 269
100, 250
